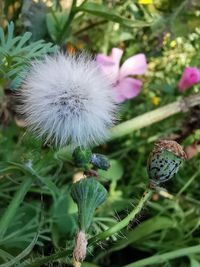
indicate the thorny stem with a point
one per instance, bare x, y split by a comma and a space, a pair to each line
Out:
123, 223
154, 116
109, 232
43, 260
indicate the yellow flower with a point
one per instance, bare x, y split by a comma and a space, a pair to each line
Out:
145, 2
173, 44
155, 100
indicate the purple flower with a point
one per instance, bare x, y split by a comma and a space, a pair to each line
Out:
190, 76
125, 86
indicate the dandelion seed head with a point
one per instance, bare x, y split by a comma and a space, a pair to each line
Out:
67, 99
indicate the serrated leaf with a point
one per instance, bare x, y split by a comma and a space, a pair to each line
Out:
23, 40
16, 52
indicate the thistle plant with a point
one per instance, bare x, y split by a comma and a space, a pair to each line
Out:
63, 108
67, 100
163, 163
88, 194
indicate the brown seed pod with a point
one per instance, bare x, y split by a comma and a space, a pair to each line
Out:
164, 161
171, 146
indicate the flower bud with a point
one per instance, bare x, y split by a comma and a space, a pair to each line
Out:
88, 194
100, 161
82, 157
164, 161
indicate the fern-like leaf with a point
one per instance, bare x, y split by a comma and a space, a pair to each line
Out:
16, 52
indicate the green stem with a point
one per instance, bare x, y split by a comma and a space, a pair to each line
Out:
154, 116
179, 10
43, 260
114, 229
14, 205
90, 26
186, 185
65, 28
157, 259
123, 223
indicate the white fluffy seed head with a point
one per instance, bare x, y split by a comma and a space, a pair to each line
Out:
66, 99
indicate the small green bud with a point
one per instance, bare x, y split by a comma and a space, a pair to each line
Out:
88, 194
100, 161
82, 157
164, 161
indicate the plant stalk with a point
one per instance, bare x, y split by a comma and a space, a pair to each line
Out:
44, 260
113, 230
139, 122
123, 223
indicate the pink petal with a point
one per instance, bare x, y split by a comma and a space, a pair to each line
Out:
119, 98
116, 55
110, 64
129, 87
104, 60
191, 76
135, 65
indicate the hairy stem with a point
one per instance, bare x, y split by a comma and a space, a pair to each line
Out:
109, 232
123, 223
154, 116
44, 260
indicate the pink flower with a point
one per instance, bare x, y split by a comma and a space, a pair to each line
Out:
125, 86
190, 76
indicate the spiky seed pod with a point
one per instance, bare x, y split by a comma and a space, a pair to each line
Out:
164, 161
88, 194
171, 146
100, 161
67, 100
82, 157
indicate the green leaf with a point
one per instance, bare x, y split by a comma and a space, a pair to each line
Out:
63, 214
16, 53
143, 230
194, 263
114, 173
23, 254
55, 22
102, 11
11, 210
161, 258
88, 264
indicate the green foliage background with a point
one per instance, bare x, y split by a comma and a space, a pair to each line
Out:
35, 179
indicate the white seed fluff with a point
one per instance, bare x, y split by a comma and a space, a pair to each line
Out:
66, 99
